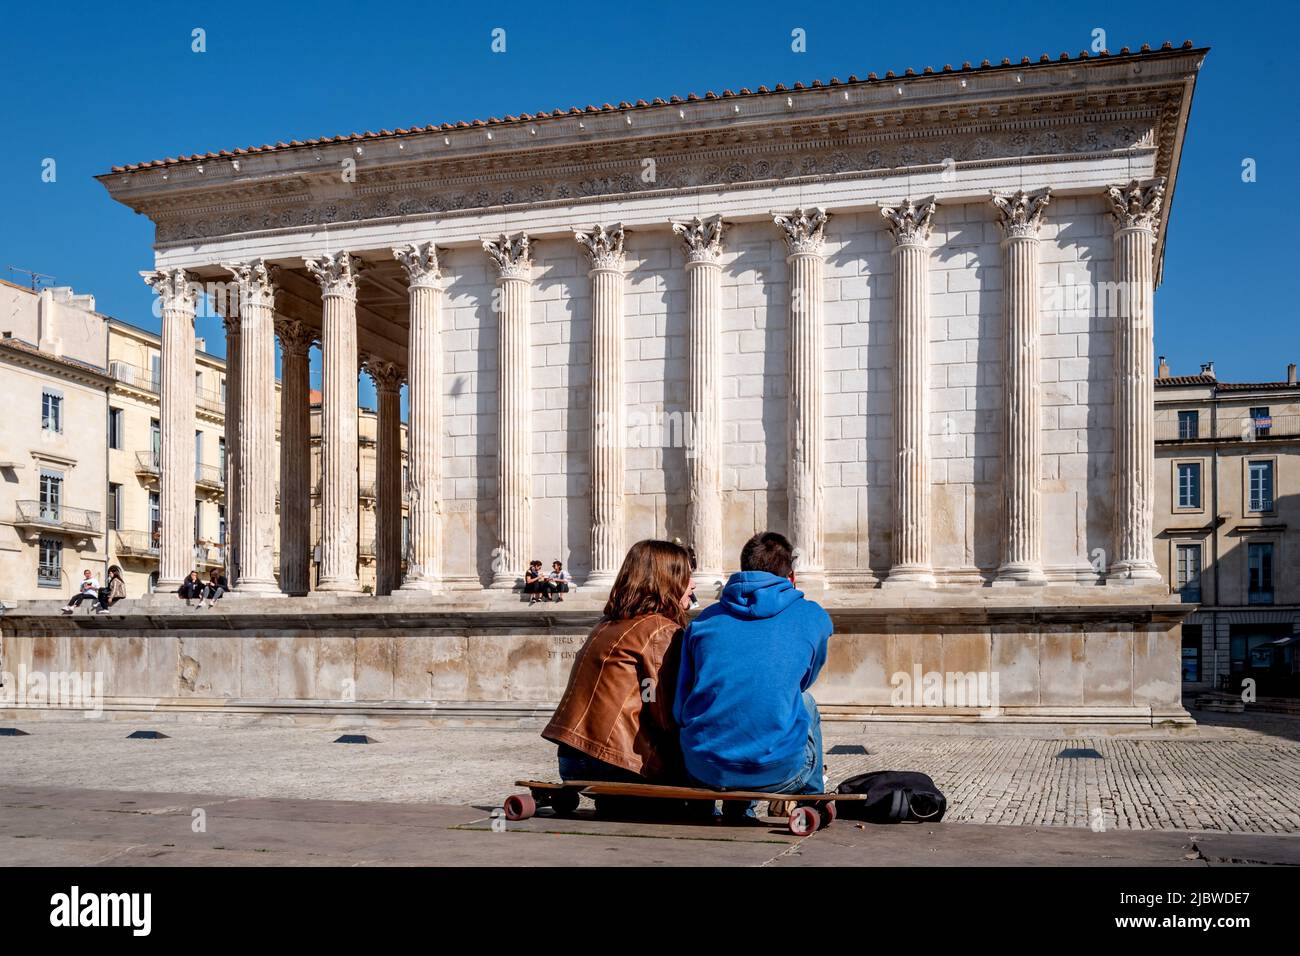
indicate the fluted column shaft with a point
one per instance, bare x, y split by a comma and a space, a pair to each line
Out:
514, 433
232, 449
806, 474
1020, 216
295, 458
424, 429
703, 242
1136, 212
176, 468
257, 449
911, 533
388, 477
607, 454
337, 275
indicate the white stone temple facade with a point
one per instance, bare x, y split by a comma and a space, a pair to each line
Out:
871, 314
906, 320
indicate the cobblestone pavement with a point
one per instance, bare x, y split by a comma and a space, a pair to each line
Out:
1240, 776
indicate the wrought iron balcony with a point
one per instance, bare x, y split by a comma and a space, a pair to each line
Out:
135, 375
1233, 426
209, 400
58, 518
209, 556
209, 476
135, 544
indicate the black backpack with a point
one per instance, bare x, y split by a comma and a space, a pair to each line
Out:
892, 797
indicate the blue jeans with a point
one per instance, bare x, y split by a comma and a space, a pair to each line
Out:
808, 779
576, 765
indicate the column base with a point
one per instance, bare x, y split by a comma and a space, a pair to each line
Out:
810, 580
599, 579
502, 581
342, 586
1133, 572
909, 576
1020, 575
421, 584
260, 588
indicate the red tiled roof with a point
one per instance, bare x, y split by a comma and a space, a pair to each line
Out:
890, 76
22, 345
1176, 381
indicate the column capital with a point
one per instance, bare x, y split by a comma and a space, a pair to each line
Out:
255, 281
804, 230
387, 376
702, 238
175, 287
1021, 214
910, 223
605, 246
512, 254
296, 338
1137, 205
337, 273
421, 263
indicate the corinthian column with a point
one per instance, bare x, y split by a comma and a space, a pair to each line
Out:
424, 429
605, 246
804, 237
231, 323
337, 275
176, 467
255, 281
295, 456
1020, 216
910, 226
388, 475
514, 450
1136, 212
703, 241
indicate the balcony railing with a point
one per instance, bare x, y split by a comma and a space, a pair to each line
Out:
1234, 427
135, 544
136, 375
209, 400
209, 476
49, 517
209, 556
146, 463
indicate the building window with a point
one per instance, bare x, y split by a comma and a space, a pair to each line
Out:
1189, 573
1189, 485
405, 526
155, 372
221, 525
1262, 421
1259, 561
221, 458
114, 506
1191, 653
49, 566
155, 441
51, 411
198, 520
155, 520
115, 428
51, 495
1189, 425
1261, 486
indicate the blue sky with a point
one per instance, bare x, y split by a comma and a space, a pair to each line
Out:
91, 87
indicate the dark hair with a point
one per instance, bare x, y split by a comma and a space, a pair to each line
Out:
560, 563
652, 580
768, 551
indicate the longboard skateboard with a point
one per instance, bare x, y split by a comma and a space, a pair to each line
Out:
812, 811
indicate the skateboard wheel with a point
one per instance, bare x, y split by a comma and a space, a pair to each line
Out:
828, 813
564, 802
804, 820
519, 806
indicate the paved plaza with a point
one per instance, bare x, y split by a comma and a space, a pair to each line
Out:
80, 791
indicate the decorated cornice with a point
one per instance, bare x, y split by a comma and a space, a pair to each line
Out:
1137, 205
909, 223
1021, 214
296, 338
336, 273
804, 231
255, 281
421, 263
387, 376
604, 246
512, 254
702, 238
175, 287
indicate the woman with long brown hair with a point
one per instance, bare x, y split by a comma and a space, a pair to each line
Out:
615, 721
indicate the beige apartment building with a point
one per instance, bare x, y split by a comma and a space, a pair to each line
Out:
1227, 521
52, 442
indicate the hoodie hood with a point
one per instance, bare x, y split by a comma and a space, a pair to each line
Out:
758, 594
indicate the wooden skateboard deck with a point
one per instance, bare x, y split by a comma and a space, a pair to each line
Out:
812, 811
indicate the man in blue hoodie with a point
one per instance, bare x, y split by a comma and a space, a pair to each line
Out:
747, 720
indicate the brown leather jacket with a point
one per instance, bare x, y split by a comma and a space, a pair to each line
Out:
618, 706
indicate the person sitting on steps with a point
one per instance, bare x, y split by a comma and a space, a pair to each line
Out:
559, 581
535, 585
89, 591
